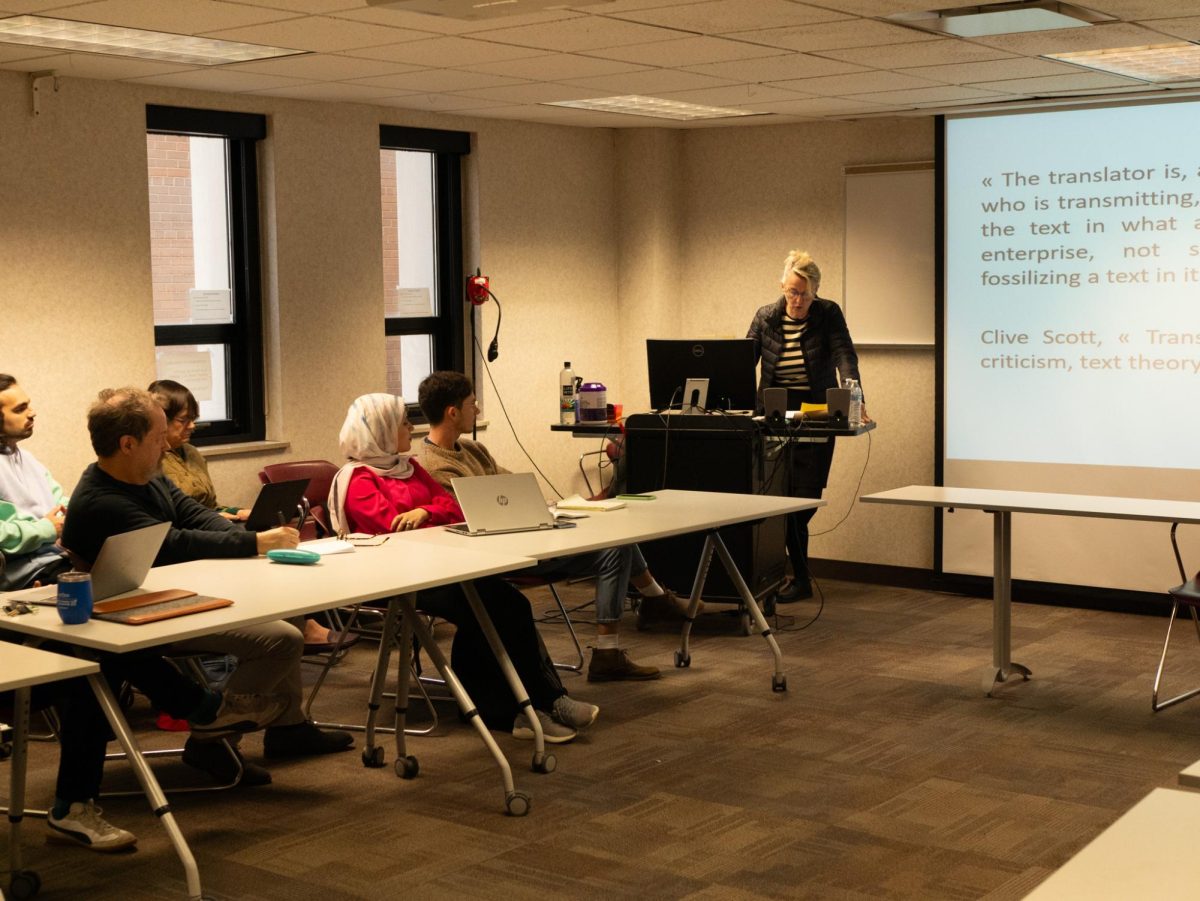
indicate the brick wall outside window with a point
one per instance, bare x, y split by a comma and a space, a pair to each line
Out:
171, 261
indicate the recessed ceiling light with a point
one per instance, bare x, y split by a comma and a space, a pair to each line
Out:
1001, 18
655, 107
1177, 61
87, 37
474, 9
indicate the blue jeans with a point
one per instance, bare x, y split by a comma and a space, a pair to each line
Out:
612, 568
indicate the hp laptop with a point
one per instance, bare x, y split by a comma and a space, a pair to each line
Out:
121, 566
277, 503
496, 505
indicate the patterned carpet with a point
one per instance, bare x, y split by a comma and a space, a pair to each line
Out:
883, 772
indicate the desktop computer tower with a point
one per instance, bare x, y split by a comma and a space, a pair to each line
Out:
711, 453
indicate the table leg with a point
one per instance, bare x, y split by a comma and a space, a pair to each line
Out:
1002, 665
778, 679
406, 765
372, 755
145, 777
516, 803
542, 762
22, 883
683, 656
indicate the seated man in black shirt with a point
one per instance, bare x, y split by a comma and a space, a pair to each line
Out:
124, 490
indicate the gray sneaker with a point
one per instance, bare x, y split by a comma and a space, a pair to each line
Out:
572, 713
243, 713
554, 733
83, 825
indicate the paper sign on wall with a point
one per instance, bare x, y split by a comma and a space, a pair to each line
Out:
413, 302
210, 305
191, 368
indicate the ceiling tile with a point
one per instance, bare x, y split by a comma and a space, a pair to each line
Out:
316, 33
310, 7
1134, 10
443, 24
1187, 28
858, 83
531, 93
176, 17
567, 117
888, 7
446, 51
835, 35
939, 94
39, 7
338, 92
776, 68
648, 81
725, 16
225, 80
433, 80
553, 67
1076, 81
93, 65
439, 102
993, 70
1063, 40
818, 106
735, 95
925, 53
621, 6
687, 51
584, 33
323, 67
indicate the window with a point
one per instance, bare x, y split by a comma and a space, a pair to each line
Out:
204, 254
421, 191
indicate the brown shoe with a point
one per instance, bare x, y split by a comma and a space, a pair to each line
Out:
666, 608
614, 665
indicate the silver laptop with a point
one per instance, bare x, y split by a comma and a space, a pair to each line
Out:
122, 566
495, 505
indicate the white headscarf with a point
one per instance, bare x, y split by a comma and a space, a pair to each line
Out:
369, 438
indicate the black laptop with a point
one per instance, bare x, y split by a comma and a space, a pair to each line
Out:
278, 503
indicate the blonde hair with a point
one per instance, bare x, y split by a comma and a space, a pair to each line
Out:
799, 263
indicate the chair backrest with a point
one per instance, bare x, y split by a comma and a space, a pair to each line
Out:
320, 474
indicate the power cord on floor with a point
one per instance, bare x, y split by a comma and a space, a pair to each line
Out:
785, 620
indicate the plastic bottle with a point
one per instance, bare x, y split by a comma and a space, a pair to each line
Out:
566, 395
856, 403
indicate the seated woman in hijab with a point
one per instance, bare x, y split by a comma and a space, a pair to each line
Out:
383, 489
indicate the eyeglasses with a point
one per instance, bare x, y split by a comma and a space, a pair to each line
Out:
793, 294
184, 421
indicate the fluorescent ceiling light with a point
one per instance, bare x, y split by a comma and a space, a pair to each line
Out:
474, 9
1178, 61
655, 107
86, 37
1001, 18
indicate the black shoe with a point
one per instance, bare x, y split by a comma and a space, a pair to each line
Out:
304, 740
213, 758
797, 591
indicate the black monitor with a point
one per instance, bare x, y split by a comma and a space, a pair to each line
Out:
728, 364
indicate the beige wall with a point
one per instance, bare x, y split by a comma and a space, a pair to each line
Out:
594, 240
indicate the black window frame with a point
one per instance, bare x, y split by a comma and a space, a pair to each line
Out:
446, 329
243, 337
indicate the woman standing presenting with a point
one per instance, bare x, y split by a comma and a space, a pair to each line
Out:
801, 340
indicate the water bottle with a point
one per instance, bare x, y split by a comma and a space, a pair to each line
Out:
856, 402
566, 395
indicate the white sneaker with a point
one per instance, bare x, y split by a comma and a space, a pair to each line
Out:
554, 733
83, 825
572, 713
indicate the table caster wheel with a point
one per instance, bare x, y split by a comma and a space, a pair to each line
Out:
779, 683
373, 757
516, 804
681, 661
24, 884
768, 606
544, 763
407, 767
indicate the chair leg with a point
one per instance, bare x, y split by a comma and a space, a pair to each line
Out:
1155, 704
578, 665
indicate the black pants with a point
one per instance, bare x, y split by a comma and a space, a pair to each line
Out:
808, 475
472, 658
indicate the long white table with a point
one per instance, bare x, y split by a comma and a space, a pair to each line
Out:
672, 512
1002, 505
263, 591
1147, 853
21, 668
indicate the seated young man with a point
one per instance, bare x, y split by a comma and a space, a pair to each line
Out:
124, 490
448, 401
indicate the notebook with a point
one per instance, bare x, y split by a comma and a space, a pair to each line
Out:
275, 500
497, 505
121, 566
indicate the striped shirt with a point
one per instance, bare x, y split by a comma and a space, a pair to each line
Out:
790, 371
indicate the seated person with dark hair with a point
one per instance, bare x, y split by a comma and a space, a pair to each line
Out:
124, 490
382, 489
448, 401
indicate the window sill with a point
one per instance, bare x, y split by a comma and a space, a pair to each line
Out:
242, 448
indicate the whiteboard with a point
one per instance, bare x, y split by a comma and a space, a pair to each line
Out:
889, 256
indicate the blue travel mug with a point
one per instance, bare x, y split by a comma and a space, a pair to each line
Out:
74, 598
